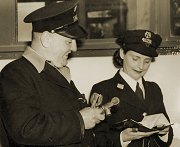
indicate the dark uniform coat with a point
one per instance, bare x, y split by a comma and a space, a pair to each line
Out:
41, 108
130, 107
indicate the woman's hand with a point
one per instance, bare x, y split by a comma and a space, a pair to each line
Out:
163, 130
130, 134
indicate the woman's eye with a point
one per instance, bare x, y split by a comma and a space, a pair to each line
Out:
147, 61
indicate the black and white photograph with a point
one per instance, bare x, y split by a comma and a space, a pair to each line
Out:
89, 73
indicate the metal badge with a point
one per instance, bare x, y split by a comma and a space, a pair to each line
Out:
120, 86
146, 39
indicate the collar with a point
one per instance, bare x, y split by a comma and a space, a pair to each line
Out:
131, 82
37, 60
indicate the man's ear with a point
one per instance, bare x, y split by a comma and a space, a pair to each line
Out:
46, 39
121, 52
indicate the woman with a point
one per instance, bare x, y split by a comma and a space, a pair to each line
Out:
137, 52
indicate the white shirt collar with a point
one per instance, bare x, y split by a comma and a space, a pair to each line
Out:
131, 82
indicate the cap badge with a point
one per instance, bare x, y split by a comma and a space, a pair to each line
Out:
147, 34
146, 39
75, 17
75, 8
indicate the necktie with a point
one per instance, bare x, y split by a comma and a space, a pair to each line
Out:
139, 92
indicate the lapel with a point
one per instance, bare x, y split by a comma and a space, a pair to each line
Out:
125, 92
52, 75
148, 95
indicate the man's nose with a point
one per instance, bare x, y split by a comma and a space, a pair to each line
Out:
73, 45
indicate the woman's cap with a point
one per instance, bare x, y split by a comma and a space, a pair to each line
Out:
142, 41
59, 17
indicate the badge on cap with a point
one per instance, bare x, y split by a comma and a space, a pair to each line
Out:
75, 17
147, 38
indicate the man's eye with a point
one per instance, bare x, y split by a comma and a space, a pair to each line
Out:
69, 42
135, 59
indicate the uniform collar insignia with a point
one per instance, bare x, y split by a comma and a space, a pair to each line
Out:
120, 86
82, 99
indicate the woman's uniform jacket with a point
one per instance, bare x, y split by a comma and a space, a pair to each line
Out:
130, 107
41, 109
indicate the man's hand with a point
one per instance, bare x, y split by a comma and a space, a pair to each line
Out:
92, 116
130, 134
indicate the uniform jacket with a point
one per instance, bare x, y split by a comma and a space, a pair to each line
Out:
130, 107
41, 109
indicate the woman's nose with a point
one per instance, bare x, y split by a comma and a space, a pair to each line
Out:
141, 64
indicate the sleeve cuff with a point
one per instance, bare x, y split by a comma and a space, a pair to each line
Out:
164, 138
123, 144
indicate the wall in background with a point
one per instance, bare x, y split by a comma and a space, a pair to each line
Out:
87, 71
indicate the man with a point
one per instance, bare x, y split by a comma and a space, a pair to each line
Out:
40, 104
138, 98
